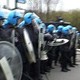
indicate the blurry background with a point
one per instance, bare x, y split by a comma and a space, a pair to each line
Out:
48, 10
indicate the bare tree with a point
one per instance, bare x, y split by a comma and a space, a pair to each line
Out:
35, 4
47, 2
49, 7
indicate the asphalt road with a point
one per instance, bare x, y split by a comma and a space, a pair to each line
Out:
56, 73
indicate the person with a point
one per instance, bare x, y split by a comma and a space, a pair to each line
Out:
72, 44
50, 28
33, 32
59, 28
60, 20
57, 51
10, 25
77, 39
51, 52
65, 52
74, 29
3, 36
38, 23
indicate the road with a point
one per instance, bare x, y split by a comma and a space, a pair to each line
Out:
56, 73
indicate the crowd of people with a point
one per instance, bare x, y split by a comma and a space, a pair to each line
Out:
40, 57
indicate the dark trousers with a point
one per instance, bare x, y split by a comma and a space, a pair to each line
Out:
72, 57
51, 56
35, 70
73, 51
64, 59
43, 66
26, 64
57, 51
50, 59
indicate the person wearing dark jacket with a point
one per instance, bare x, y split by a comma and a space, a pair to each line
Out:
73, 48
11, 22
33, 32
72, 44
10, 26
3, 34
49, 38
65, 52
57, 51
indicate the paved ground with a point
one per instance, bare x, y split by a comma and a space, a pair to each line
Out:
56, 74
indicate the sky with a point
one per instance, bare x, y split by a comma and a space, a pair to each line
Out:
64, 5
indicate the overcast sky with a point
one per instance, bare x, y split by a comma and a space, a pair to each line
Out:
68, 5
63, 4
